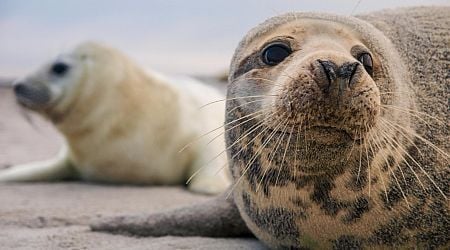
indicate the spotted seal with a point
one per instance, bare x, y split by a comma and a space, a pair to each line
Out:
121, 124
346, 141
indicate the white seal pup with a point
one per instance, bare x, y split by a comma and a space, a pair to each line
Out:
123, 125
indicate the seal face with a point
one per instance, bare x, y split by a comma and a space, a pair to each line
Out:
319, 153
324, 81
70, 81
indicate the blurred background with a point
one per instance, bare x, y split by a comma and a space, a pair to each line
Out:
194, 37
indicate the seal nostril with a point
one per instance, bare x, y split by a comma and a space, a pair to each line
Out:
346, 72
329, 70
353, 73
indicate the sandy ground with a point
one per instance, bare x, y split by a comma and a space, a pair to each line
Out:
56, 215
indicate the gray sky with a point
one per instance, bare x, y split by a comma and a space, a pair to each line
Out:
177, 36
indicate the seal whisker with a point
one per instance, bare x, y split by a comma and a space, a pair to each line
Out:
360, 161
217, 128
296, 149
225, 150
368, 167
235, 98
384, 138
234, 126
380, 174
394, 92
256, 126
423, 170
253, 128
355, 7
352, 147
408, 137
397, 149
284, 155
241, 137
414, 113
309, 126
378, 145
258, 78
260, 148
422, 139
233, 109
420, 167
273, 153
428, 124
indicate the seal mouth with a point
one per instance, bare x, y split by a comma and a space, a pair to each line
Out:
28, 103
326, 134
331, 132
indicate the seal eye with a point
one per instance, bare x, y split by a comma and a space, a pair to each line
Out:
275, 53
59, 68
366, 61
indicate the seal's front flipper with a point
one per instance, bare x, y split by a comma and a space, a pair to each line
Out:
218, 217
54, 169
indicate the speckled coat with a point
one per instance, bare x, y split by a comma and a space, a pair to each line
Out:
293, 210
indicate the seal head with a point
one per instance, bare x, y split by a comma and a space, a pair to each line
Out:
69, 81
313, 89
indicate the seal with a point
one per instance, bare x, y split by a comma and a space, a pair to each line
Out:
121, 124
346, 145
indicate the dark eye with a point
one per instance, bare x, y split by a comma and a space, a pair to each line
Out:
275, 53
366, 61
59, 68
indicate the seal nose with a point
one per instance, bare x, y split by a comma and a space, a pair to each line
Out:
339, 77
31, 94
329, 68
20, 88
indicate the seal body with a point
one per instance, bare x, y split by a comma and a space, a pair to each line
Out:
337, 131
121, 124
363, 165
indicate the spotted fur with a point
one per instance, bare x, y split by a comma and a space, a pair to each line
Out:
341, 214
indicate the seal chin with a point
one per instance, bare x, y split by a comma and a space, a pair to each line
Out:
333, 135
30, 103
326, 134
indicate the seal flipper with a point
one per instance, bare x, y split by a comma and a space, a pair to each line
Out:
57, 168
218, 217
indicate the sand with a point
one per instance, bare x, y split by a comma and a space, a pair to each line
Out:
56, 215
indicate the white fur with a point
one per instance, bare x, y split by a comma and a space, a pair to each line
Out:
125, 126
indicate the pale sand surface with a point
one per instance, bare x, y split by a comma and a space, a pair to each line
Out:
55, 215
